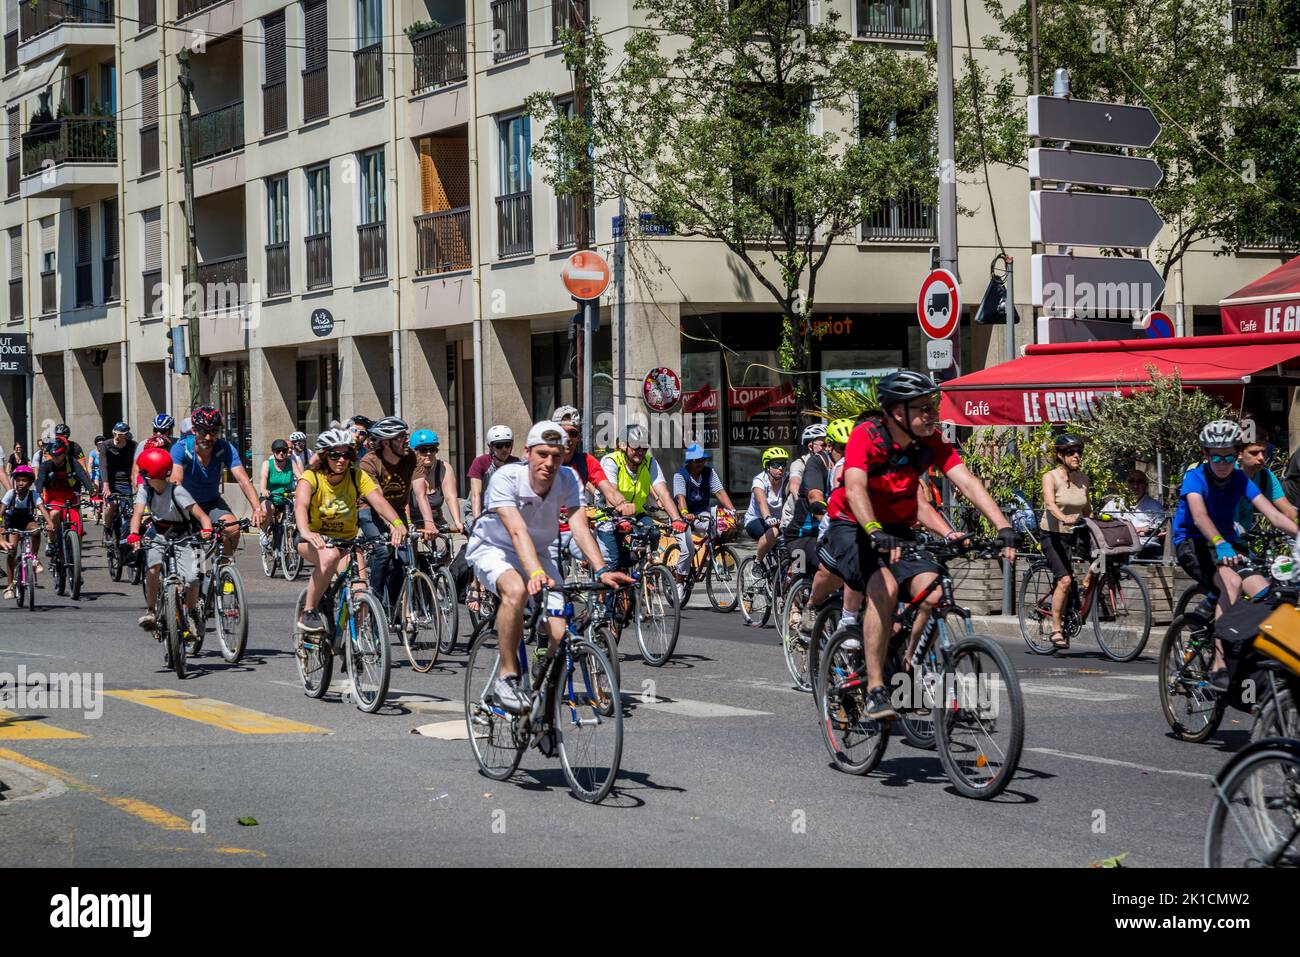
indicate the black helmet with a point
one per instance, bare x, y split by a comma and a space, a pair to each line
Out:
904, 386
1068, 440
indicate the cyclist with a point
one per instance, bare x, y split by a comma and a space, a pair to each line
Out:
590, 474
174, 513
766, 495
78, 454
275, 486
439, 479
94, 462
510, 547
1251, 459
637, 476
827, 579
1206, 541
359, 426
500, 443
58, 481
20, 506
117, 462
325, 503
161, 437
807, 489
1065, 506
872, 513
694, 484
400, 477
298, 455
200, 460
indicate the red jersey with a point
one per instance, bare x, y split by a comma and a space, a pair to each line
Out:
594, 474
892, 474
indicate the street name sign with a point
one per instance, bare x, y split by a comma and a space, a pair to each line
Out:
1092, 219
1094, 169
1089, 121
1094, 286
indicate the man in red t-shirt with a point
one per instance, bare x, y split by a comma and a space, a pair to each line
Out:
875, 509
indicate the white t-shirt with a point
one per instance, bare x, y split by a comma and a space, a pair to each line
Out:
173, 504
1145, 515
763, 486
28, 503
512, 486
611, 469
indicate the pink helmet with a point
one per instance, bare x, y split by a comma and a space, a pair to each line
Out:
24, 470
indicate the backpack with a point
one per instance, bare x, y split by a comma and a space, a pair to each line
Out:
915, 456
1116, 536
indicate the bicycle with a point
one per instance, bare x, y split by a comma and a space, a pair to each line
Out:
1259, 543
436, 563
653, 602
789, 621
115, 536
712, 562
355, 627
577, 707
967, 685
763, 586
417, 613
172, 625
1115, 600
65, 551
221, 597
24, 579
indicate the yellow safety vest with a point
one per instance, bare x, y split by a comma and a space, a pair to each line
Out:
634, 488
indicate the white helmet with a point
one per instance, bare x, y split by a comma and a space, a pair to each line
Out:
567, 413
814, 431
1220, 434
333, 438
298, 437
500, 433
389, 427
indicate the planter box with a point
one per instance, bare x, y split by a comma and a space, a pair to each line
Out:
1165, 583
977, 584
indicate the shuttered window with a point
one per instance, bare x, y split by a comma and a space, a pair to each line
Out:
273, 28
109, 211
16, 253
152, 240
15, 131
11, 14
83, 235
316, 24
149, 95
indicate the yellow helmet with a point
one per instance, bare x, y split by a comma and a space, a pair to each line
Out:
839, 431
775, 454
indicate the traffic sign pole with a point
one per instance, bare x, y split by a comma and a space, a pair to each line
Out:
588, 377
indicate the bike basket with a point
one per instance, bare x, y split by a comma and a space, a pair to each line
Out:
1115, 536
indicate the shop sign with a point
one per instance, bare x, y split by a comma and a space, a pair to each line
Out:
661, 388
701, 400
758, 399
322, 322
1024, 406
858, 380
15, 355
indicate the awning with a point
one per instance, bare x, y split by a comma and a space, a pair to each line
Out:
1064, 382
1270, 305
36, 76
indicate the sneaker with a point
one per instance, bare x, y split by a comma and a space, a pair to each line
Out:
147, 621
878, 705
40, 567
852, 644
509, 696
1219, 680
808, 618
9, 593
194, 623
311, 621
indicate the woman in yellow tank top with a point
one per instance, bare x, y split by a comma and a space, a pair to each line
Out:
1065, 506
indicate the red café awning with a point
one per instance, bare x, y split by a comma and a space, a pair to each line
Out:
1270, 305
1063, 382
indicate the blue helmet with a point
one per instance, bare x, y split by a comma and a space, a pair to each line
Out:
424, 437
123, 428
163, 422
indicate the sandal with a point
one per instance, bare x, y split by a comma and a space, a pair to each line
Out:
1059, 641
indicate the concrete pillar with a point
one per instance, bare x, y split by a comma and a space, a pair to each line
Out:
652, 340
83, 393
13, 413
424, 379
365, 386
273, 391
47, 397
148, 395
508, 378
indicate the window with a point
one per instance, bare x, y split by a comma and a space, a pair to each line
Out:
108, 88
112, 280
277, 210
273, 48
48, 244
149, 119
370, 23
80, 94
315, 76
516, 176
372, 187
151, 255
318, 200
84, 275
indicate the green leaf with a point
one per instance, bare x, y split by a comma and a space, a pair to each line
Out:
248, 821
1116, 861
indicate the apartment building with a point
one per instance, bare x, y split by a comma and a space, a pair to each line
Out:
373, 237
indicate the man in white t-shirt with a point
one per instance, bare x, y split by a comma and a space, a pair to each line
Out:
510, 547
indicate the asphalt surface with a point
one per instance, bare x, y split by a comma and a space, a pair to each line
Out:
725, 767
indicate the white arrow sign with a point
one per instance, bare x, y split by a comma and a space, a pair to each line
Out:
1089, 286
1092, 219
1094, 169
1090, 121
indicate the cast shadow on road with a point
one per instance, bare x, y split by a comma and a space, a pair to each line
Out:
926, 769
622, 796
1224, 740
677, 662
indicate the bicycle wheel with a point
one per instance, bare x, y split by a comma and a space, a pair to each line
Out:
367, 652
658, 616
231, 613
444, 594
1261, 796
826, 624
721, 581
495, 736
980, 722
1190, 598
856, 743
137, 568
1034, 608
73, 545
669, 559
599, 636
918, 721
270, 559
290, 560
1121, 614
1192, 708
420, 621
114, 555
588, 719
755, 593
313, 654
174, 624
1276, 717
789, 622
59, 568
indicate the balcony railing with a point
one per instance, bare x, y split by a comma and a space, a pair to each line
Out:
15, 299
368, 63
1274, 242
149, 148
218, 131
320, 262
372, 245
894, 19
150, 280
11, 51
509, 29
566, 219
277, 269
147, 15
49, 293
275, 108
906, 219
567, 15
112, 279
186, 7
442, 241
315, 94
439, 57
13, 174
85, 285
35, 18
515, 224
72, 139
223, 281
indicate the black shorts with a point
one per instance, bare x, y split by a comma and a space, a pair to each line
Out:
1059, 547
847, 551
1197, 559
18, 521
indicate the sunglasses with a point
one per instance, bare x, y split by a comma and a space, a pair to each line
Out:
1217, 459
427, 449
207, 431
1072, 450
279, 451
503, 445
572, 433
335, 454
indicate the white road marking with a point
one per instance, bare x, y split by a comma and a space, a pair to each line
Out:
445, 731
30, 654
1097, 759
1072, 692
1149, 678
688, 708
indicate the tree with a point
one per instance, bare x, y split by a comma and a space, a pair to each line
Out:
704, 123
1229, 108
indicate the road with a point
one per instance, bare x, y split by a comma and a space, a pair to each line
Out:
725, 766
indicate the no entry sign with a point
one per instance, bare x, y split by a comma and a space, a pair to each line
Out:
586, 275
938, 308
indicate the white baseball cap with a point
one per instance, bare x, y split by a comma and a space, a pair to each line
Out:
545, 432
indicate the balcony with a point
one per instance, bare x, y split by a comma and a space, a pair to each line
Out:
277, 269
15, 299
112, 279
368, 63
66, 154
439, 57
515, 224
372, 247
44, 15
217, 132
894, 19
320, 262
150, 281
442, 241
566, 220
509, 29
315, 94
908, 219
275, 108
49, 293
149, 149
185, 8
223, 282
567, 15
1270, 243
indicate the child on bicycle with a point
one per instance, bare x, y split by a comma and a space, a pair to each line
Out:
174, 513
19, 507
60, 480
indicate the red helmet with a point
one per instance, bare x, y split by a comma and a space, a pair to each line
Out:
205, 417
155, 463
158, 441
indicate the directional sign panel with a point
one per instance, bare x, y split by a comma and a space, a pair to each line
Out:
1092, 219
1094, 169
1095, 287
1087, 121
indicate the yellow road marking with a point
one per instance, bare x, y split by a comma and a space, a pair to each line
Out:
147, 813
219, 714
14, 727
